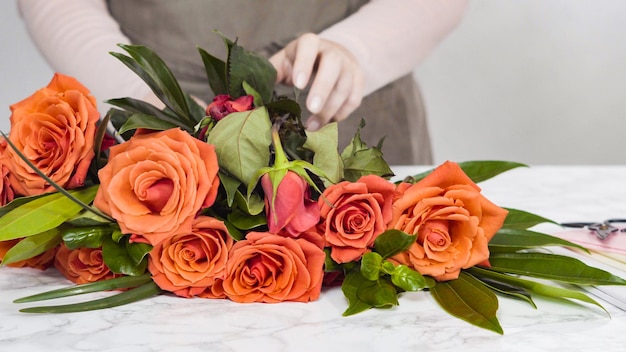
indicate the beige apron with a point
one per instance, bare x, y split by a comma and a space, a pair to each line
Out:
175, 28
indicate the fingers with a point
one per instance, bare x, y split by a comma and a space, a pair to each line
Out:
337, 84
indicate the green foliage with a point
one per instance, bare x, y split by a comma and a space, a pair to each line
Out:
360, 160
32, 246
323, 143
392, 242
512, 240
521, 220
479, 170
125, 258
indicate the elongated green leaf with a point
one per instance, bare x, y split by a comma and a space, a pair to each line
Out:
552, 267
32, 246
468, 299
99, 137
521, 220
148, 122
43, 214
17, 202
323, 143
86, 218
136, 294
520, 239
507, 289
535, 287
392, 242
250, 67
104, 285
480, 170
242, 141
230, 185
215, 72
136, 106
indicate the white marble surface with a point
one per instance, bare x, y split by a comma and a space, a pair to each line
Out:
567, 193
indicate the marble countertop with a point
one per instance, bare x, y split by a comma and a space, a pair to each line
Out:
164, 323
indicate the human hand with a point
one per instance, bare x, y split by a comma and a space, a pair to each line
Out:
337, 86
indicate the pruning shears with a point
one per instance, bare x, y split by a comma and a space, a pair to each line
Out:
601, 229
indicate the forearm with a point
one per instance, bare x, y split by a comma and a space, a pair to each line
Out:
75, 37
390, 38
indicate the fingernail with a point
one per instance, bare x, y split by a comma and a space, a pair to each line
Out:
312, 124
300, 80
315, 105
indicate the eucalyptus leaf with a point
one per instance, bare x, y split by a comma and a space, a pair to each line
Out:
552, 267
43, 213
523, 239
535, 287
32, 246
323, 143
468, 299
144, 291
242, 141
520, 220
392, 242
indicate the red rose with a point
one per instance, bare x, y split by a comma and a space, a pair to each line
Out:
353, 214
452, 220
223, 105
293, 211
6, 191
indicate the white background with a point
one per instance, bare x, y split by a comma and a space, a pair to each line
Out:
535, 81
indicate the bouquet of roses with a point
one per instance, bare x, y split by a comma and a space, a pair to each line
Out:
237, 200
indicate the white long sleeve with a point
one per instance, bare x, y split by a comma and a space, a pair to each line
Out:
75, 36
390, 38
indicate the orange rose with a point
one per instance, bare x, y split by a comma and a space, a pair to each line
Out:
453, 221
41, 261
270, 268
190, 264
82, 265
353, 214
156, 183
6, 191
54, 128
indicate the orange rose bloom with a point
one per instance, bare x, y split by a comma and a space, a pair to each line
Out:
6, 191
41, 261
271, 268
360, 211
190, 264
82, 265
54, 128
452, 220
156, 183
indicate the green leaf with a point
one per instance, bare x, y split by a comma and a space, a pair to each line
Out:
136, 106
32, 246
230, 185
215, 71
136, 294
99, 137
392, 242
104, 285
153, 70
535, 287
370, 265
244, 221
249, 90
410, 280
43, 214
138, 252
19, 201
480, 170
512, 240
117, 257
89, 237
252, 68
468, 299
323, 143
242, 141
253, 205
148, 122
359, 160
350, 286
87, 218
519, 219
379, 293
552, 267
507, 289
